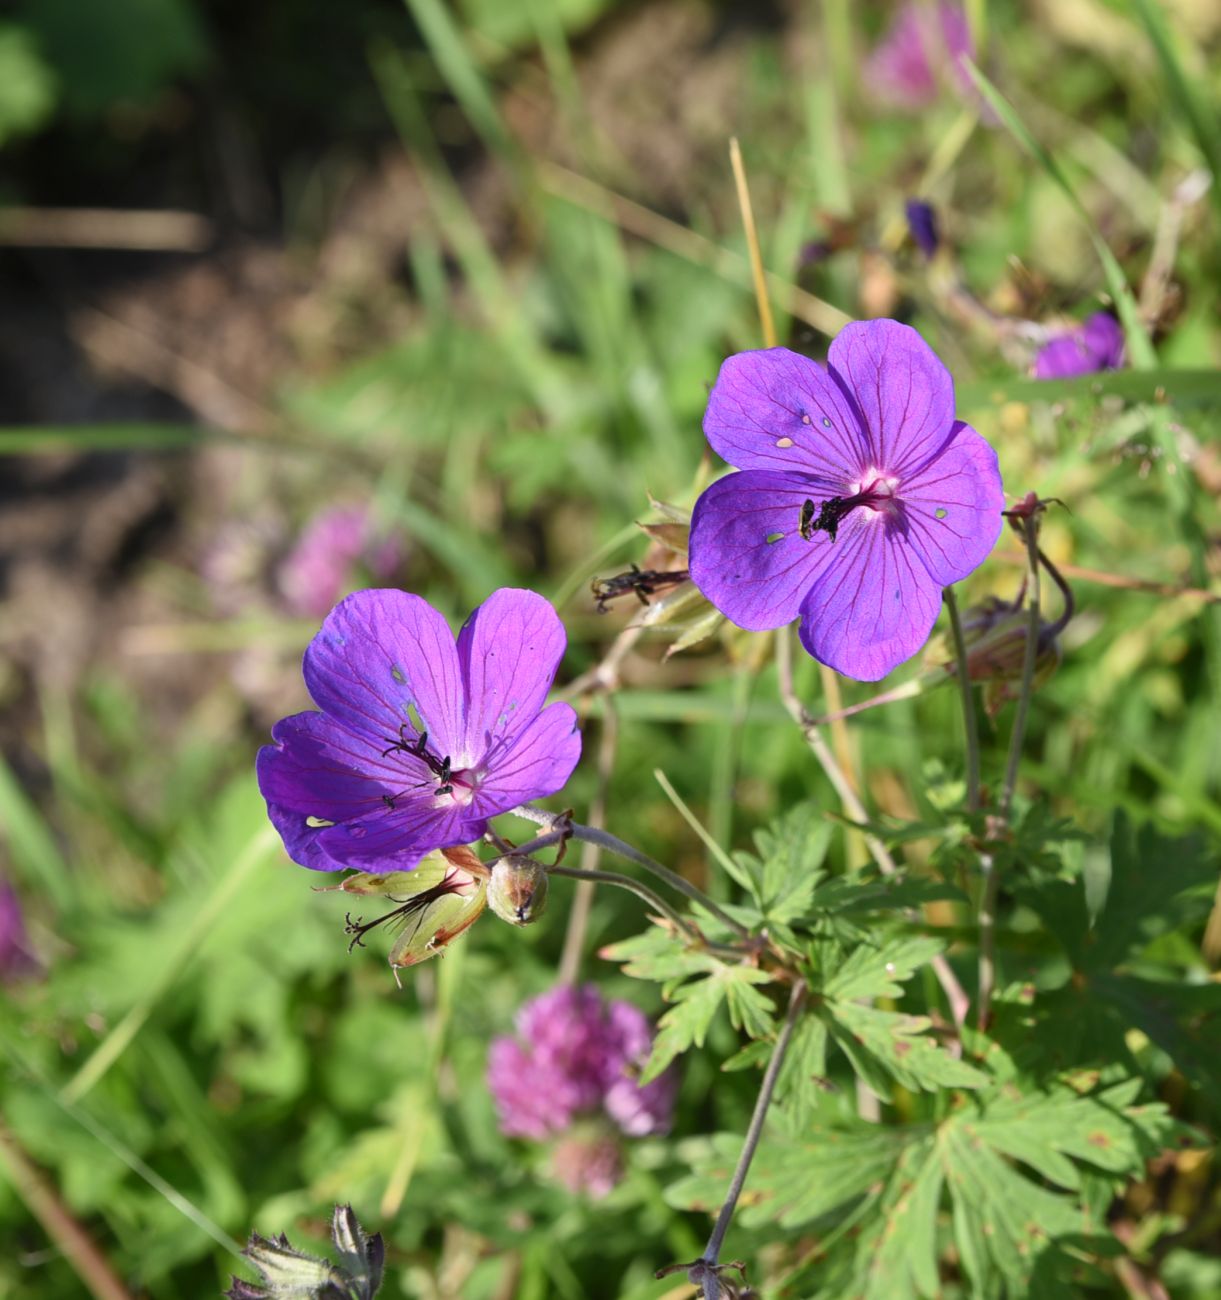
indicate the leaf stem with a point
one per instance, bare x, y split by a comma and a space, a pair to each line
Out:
589, 877
970, 724
705, 1269
559, 827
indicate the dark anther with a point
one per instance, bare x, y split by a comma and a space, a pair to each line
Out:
643, 583
418, 748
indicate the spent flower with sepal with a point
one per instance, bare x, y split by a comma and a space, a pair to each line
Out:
419, 741
861, 496
286, 1273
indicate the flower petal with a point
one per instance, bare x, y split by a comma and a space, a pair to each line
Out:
774, 409
396, 839
509, 649
379, 652
531, 764
905, 393
952, 507
873, 605
756, 583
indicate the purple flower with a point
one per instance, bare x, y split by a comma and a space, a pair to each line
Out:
419, 742
574, 1056
1096, 345
922, 223
16, 957
861, 496
319, 568
922, 40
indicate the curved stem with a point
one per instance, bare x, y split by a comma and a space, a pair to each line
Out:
1031, 530
970, 724
705, 1270
653, 899
621, 849
991, 881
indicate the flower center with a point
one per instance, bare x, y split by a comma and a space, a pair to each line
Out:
874, 492
458, 785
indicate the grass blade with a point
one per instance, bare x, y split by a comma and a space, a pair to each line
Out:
1140, 349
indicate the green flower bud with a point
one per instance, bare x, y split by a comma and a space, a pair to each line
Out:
517, 891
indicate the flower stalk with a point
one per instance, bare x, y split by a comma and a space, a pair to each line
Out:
704, 1272
970, 723
559, 827
1026, 520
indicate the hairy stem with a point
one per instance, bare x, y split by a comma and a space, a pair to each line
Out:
559, 827
591, 878
1031, 530
970, 725
991, 877
705, 1270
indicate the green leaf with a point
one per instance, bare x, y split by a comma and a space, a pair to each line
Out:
686, 1024
879, 972
987, 1159
884, 1043
785, 868
1156, 885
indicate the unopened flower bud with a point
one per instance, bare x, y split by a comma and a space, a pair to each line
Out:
517, 891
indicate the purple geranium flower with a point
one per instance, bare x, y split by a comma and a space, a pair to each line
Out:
419, 742
1096, 345
575, 1056
923, 39
861, 496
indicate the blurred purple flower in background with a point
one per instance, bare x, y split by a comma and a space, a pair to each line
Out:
327, 554
16, 957
419, 741
573, 1059
1098, 344
922, 41
922, 223
861, 496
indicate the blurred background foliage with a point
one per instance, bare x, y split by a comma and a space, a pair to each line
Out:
470, 269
